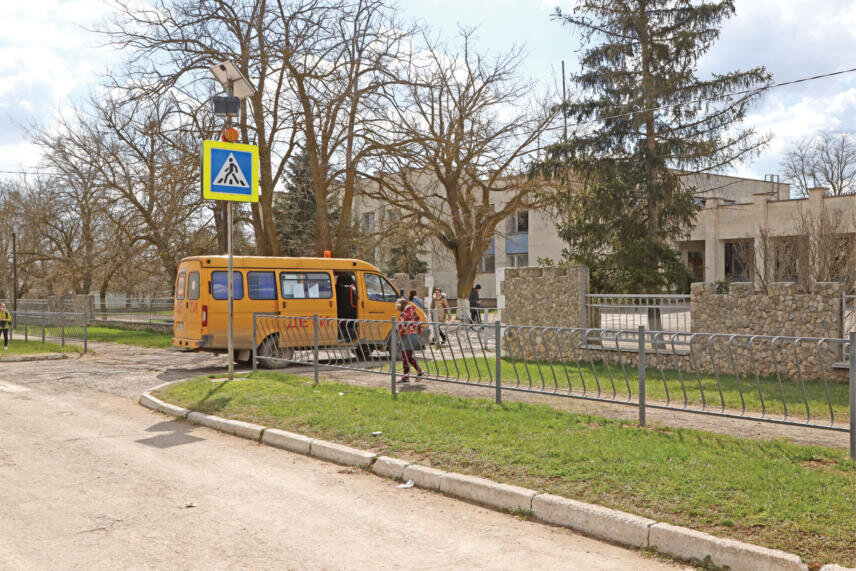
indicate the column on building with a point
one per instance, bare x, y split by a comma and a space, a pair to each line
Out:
714, 248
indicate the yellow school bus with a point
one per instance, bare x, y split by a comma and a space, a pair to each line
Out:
297, 287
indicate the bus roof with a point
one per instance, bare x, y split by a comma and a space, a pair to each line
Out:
220, 261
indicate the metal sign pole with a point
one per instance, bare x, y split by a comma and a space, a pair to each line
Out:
229, 340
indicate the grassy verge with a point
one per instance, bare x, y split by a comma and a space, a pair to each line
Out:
19, 347
142, 338
797, 498
561, 376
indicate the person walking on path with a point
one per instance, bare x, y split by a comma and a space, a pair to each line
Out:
5, 322
439, 314
408, 331
475, 316
416, 300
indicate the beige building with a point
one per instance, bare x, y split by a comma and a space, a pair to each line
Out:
734, 209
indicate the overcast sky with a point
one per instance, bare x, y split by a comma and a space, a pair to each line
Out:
48, 59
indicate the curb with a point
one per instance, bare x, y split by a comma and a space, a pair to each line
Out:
31, 358
597, 521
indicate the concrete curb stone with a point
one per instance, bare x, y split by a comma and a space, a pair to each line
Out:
148, 401
30, 358
340, 454
834, 567
387, 467
593, 520
487, 492
236, 427
423, 476
690, 544
287, 440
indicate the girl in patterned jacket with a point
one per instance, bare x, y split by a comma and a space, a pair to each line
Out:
408, 331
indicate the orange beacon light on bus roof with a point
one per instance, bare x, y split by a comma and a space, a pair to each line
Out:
327, 254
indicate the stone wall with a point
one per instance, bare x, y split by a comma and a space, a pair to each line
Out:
404, 283
556, 297
551, 297
780, 311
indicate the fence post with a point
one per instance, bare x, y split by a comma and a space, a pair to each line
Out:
43, 328
315, 347
85, 333
62, 327
498, 340
393, 356
26, 330
853, 395
255, 342
641, 366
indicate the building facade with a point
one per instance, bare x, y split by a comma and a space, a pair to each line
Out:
733, 209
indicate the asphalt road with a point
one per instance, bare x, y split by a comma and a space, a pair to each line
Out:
89, 479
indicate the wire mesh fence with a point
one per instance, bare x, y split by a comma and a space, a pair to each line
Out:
46, 326
797, 381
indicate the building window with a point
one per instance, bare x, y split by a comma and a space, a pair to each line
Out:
517, 260
368, 222
487, 264
695, 261
739, 257
518, 223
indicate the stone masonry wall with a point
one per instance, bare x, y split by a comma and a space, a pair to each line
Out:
781, 311
556, 297
551, 297
405, 284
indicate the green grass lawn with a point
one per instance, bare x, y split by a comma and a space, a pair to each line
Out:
142, 338
797, 498
19, 347
558, 377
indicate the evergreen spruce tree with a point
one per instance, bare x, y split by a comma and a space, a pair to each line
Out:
295, 210
649, 120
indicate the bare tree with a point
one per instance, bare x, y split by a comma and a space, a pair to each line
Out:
172, 45
461, 129
341, 57
827, 160
821, 249
148, 164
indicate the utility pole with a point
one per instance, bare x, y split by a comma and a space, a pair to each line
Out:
14, 273
564, 101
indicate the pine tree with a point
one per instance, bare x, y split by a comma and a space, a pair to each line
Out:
295, 211
649, 121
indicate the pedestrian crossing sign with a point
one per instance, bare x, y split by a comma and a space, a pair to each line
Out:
230, 171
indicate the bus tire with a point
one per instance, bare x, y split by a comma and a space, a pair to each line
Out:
270, 354
363, 352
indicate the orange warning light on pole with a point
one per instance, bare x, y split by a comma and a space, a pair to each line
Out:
230, 135
327, 254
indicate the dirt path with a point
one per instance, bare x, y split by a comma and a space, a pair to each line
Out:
92, 480
720, 425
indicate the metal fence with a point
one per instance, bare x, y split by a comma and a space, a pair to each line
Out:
137, 310
667, 312
46, 326
796, 381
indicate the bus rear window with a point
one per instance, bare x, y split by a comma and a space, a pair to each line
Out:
193, 285
220, 285
179, 285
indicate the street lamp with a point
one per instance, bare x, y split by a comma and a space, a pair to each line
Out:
237, 88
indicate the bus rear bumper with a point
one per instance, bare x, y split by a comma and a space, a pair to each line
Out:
203, 342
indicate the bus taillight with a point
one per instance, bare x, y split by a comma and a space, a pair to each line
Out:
204, 316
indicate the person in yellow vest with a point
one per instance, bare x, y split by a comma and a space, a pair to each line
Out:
5, 322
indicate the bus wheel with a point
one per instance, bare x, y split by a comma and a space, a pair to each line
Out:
363, 352
272, 356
